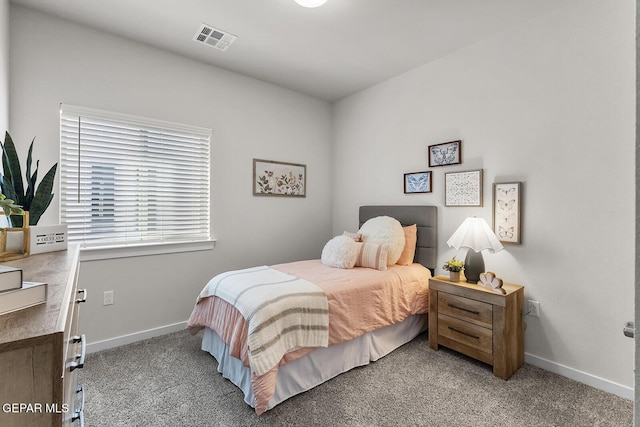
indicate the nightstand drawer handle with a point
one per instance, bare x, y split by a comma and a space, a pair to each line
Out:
464, 309
464, 333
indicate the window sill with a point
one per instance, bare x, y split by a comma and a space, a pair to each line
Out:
128, 251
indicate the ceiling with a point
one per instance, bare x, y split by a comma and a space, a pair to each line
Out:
328, 52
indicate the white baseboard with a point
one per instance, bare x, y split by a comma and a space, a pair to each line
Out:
582, 377
137, 336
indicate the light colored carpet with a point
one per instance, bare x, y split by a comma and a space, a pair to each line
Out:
169, 381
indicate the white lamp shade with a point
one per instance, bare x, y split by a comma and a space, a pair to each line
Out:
311, 3
474, 233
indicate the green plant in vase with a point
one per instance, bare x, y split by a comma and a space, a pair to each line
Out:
454, 267
36, 198
9, 207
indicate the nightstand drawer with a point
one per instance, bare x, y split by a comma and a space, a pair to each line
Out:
465, 333
469, 310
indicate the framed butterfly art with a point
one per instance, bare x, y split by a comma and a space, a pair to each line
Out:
506, 211
447, 153
417, 182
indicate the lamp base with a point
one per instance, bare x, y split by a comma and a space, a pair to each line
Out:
473, 266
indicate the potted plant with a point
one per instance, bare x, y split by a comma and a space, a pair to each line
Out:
9, 207
454, 267
36, 198
20, 247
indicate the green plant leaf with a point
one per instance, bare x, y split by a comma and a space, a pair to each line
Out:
7, 189
31, 180
43, 196
39, 208
9, 207
28, 174
11, 169
32, 184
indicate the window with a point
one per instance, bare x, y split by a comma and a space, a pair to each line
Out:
132, 181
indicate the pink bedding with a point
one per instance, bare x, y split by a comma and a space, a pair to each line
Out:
360, 300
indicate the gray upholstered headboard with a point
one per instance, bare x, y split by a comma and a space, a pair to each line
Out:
426, 219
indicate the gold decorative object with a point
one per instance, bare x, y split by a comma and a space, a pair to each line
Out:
10, 255
490, 281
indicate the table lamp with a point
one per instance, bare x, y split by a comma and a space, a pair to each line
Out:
475, 234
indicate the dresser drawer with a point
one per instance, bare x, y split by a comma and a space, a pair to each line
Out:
465, 333
469, 310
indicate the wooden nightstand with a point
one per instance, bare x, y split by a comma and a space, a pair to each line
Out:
478, 322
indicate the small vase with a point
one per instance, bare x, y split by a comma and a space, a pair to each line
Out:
454, 276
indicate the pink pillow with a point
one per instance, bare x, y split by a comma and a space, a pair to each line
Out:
410, 238
372, 255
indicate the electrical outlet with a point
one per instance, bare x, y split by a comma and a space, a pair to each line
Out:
108, 298
534, 308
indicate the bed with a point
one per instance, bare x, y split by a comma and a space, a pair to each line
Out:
357, 333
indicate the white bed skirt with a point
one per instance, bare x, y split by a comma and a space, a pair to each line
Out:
318, 366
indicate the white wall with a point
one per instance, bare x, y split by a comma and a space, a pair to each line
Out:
54, 61
4, 67
550, 103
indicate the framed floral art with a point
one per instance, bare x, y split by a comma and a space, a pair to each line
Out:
271, 178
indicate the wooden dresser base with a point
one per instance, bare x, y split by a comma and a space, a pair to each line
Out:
38, 346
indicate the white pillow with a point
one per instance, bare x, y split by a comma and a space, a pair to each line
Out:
384, 230
340, 252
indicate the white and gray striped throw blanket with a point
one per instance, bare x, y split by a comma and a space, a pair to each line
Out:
284, 312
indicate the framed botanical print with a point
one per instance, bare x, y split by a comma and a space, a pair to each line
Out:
271, 178
463, 188
506, 211
447, 153
417, 182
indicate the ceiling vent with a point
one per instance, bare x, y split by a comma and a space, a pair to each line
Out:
214, 37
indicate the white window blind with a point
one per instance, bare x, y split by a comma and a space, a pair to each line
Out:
129, 180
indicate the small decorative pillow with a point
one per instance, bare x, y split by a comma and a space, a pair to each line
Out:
340, 252
384, 230
410, 238
372, 255
357, 237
